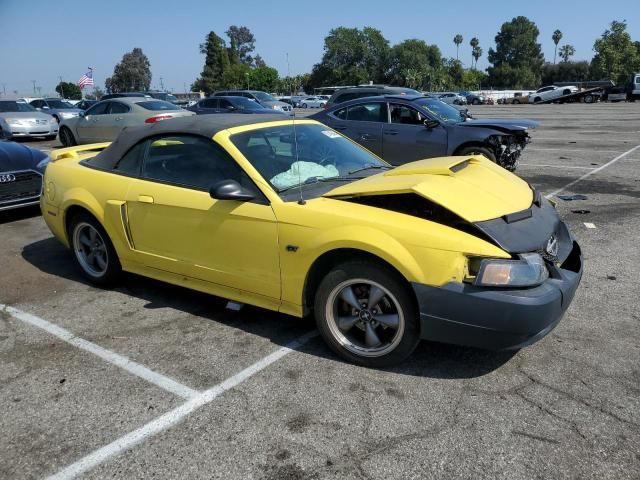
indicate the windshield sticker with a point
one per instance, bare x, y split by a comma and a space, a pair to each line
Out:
331, 134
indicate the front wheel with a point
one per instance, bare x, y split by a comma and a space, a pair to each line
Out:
93, 250
66, 137
304, 105
537, 100
366, 314
473, 150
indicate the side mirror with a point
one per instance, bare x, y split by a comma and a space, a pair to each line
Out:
45, 108
81, 114
431, 124
230, 190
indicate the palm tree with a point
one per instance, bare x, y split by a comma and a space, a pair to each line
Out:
556, 37
566, 52
474, 44
457, 40
476, 53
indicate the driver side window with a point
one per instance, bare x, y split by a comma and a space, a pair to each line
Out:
98, 109
405, 115
192, 162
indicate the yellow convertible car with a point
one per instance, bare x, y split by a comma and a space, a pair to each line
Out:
294, 217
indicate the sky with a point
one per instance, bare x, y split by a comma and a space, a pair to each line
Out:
43, 40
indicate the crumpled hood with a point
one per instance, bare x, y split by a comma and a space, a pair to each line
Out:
516, 124
15, 156
472, 187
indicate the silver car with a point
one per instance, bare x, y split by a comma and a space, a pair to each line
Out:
58, 108
103, 121
19, 120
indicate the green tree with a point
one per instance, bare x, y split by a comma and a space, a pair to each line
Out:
351, 56
517, 59
133, 73
476, 53
241, 45
474, 44
565, 72
216, 63
556, 37
617, 57
69, 90
566, 52
236, 76
410, 55
263, 78
458, 41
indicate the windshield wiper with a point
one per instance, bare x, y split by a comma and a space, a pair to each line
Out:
370, 166
312, 180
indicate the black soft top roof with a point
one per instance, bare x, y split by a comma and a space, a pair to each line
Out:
203, 125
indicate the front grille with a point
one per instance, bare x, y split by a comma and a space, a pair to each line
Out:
27, 184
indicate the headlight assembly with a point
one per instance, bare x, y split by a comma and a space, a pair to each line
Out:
16, 122
529, 270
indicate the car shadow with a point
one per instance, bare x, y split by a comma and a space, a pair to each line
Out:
432, 360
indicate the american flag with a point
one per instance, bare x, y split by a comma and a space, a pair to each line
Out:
86, 79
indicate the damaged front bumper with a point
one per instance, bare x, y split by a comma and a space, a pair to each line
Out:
508, 149
498, 318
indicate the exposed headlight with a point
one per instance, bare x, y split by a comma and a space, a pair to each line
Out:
528, 271
277, 107
68, 114
16, 122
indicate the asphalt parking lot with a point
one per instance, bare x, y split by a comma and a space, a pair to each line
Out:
157, 381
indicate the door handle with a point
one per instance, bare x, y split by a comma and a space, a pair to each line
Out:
145, 199
391, 132
365, 136
118, 118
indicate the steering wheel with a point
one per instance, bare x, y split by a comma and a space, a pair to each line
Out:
324, 154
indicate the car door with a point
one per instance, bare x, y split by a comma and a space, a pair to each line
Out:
225, 106
114, 120
406, 139
176, 226
88, 125
362, 123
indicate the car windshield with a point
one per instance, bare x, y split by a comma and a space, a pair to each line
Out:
59, 104
322, 155
441, 110
157, 105
263, 97
171, 98
8, 106
243, 103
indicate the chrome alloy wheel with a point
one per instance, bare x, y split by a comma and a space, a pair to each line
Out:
365, 318
90, 249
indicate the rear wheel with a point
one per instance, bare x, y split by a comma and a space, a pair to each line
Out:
589, 98
66, 137
516, 102
537, 100
93, 250
476, 101
304, 105
473, 150
366, 314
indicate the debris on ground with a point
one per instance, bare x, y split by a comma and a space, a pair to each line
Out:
569, 198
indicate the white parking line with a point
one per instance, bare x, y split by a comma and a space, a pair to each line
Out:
561, 150
174, 416
555, 166
116, 359
595, 170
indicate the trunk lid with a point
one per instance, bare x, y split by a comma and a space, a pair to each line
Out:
473, 187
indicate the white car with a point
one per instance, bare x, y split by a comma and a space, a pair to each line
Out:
551, 92
452, 98
312, 102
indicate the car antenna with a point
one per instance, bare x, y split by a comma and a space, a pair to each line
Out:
301, 200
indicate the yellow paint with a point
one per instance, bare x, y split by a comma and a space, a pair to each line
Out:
239, 250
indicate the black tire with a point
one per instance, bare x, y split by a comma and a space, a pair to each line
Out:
473, 150
537, 100
588, 99
516, 102
102, 276
304, 105
352, 344
66, 137
475, 102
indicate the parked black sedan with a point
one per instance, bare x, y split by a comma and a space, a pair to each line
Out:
229, 104
21, 170
405, 128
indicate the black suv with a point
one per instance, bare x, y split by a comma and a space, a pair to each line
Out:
351, 93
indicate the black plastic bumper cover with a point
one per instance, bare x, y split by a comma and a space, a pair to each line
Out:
497, 318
